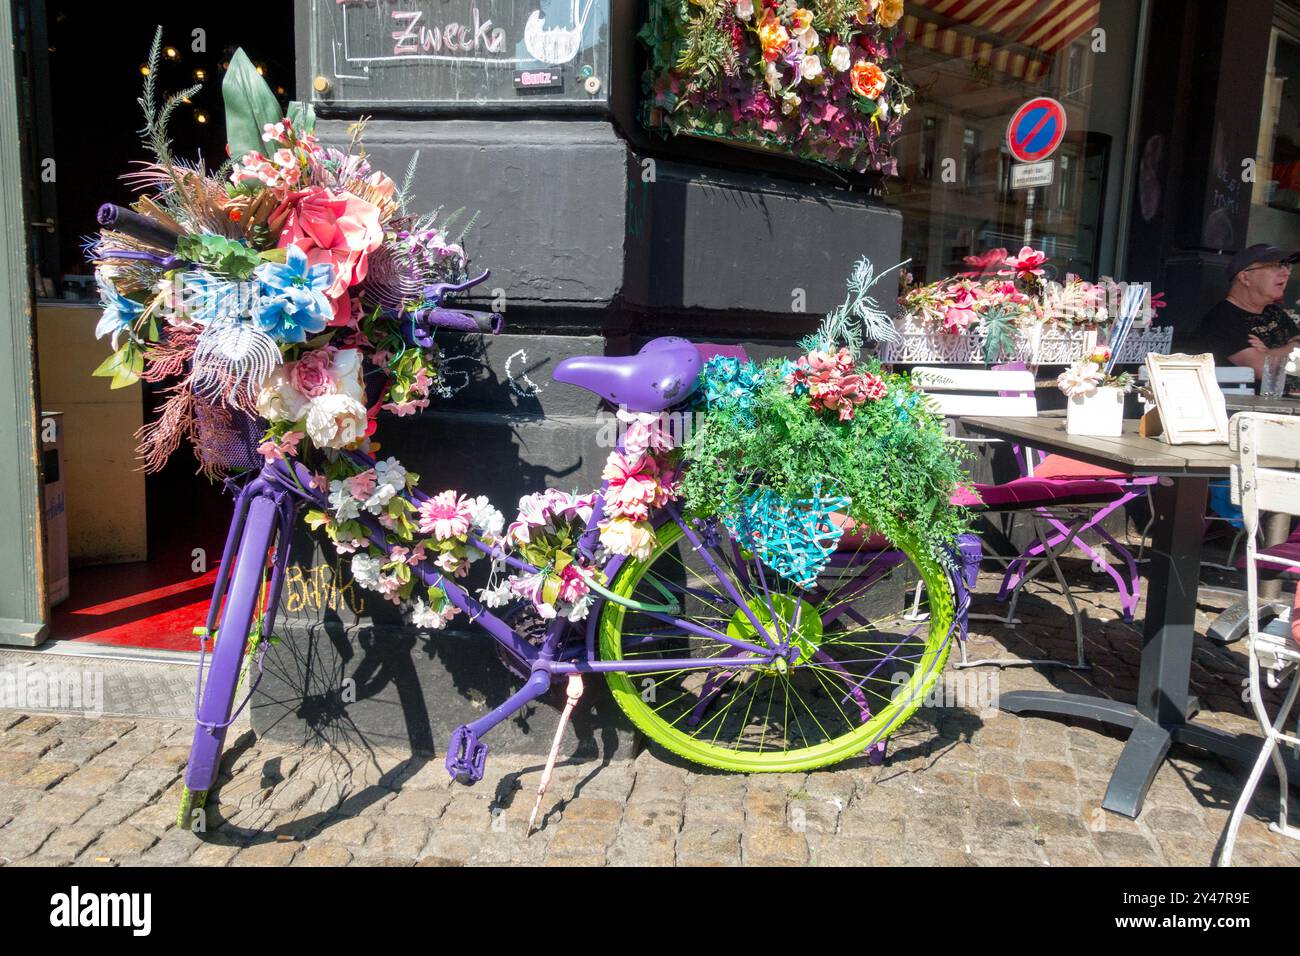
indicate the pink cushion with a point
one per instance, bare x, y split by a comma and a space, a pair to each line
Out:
1058, 466
1037, 493
1289, 549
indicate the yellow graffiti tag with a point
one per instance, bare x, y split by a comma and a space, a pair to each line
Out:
318, 588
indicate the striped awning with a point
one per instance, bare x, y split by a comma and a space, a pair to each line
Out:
1016, 37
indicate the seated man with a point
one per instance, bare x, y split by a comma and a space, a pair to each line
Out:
1249, 326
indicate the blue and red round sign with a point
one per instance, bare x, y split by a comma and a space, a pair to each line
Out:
1036, 130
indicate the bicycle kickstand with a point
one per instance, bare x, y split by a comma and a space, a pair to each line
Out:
573, 692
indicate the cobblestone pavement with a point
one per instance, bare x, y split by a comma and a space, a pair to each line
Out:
963, 785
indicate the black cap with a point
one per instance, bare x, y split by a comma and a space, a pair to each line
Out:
1259, 253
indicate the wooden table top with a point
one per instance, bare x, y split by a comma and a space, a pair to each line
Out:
1130, 453
1268, 406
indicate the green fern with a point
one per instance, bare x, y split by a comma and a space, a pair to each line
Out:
858, 317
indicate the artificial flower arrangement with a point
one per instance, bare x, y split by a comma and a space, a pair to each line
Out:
819, 80
1005, 295
1086, 376
276, 286
787, 446
1096, 395
276, 294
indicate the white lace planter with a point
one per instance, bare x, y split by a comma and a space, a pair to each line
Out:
921, 344
1100, 414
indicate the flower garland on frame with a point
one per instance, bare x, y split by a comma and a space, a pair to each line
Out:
819, 81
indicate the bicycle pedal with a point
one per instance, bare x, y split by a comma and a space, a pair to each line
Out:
466, 756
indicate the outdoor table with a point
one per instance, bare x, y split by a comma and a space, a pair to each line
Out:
1161, 714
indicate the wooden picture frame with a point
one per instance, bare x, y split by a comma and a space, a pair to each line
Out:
1188, 398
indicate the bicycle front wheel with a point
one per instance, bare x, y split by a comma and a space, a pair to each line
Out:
855, 663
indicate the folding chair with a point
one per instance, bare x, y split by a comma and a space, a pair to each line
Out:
1274, 651
1071, 502
1069, 469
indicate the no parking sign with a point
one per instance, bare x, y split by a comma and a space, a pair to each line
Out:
1036, 130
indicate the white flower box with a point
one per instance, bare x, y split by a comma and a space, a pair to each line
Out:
1100, 414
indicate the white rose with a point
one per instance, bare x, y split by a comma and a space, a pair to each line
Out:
278, 401
345, 371
1293, 362
810, 67
335, 421
840, 59
744, 9
789, 103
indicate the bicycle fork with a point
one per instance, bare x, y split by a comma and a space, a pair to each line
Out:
263, 515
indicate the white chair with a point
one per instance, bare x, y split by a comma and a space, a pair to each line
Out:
1274, 652
957, 391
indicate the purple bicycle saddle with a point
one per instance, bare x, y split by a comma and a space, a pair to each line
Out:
659, 376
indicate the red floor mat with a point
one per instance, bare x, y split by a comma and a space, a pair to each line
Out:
135, 605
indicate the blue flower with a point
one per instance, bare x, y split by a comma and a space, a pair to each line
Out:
207, 298
292, 301
119, 311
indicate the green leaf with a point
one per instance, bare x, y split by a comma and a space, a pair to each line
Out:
302, 115
551, 589
250, 105
123, 367
316, 519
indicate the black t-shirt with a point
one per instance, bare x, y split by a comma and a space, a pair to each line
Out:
1226, 330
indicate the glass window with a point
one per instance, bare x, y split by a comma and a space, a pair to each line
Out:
973, 65
1275, 197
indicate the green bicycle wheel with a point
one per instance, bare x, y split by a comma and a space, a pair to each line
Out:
858, 663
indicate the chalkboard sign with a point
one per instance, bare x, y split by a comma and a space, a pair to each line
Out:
438, 54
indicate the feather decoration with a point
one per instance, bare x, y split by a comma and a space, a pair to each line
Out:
858, 317
171, 356
158, 440
231, 361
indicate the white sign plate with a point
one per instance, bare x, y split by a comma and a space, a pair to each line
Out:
1029, 175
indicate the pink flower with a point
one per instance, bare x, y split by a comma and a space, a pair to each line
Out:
402, 409
445, 516
448, 563
335, 228
573, 586
288, 446
362, 485
310, 375
1028, 263
873, 386
960, 311
633, 485
532, 514
983, 263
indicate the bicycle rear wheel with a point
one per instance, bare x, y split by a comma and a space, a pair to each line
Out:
231, 642
856, 665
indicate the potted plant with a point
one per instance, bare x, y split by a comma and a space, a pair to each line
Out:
1096, 405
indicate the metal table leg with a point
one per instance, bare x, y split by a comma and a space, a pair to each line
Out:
1166, 650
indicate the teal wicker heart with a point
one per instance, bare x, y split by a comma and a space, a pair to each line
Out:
793, 538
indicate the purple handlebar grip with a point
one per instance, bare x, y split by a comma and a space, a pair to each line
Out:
137, 226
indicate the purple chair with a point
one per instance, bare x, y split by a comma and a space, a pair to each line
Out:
1061, 468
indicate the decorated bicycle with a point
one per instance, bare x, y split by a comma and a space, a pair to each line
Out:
739, 588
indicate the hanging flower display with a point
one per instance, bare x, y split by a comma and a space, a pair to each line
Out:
819, 81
